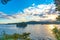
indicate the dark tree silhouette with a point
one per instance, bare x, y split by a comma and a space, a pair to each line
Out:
58, 18
4, 2
57, 2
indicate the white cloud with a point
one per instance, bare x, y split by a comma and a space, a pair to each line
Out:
5, 16
34, 13
33, 4
39, 9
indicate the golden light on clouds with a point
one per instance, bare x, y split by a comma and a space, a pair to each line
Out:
52, 17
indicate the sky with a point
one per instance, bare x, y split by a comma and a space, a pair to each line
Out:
14, 6
27, 10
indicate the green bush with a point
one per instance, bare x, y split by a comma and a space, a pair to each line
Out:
15, 36
56, 32
58, 18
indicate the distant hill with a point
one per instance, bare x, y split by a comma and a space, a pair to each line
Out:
24, 24
43, 22
38, 22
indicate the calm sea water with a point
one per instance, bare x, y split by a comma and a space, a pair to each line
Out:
37, 31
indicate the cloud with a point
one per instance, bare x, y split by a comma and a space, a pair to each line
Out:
39, 9
5, 16
40, 12
34, 12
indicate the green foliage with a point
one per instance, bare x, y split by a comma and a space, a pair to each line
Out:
58, 7
57, 2
56, 32
15, 36
58, 18
4, 2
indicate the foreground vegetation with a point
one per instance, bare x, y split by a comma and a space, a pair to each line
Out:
58, 18
56, 32
15, 36
57, 3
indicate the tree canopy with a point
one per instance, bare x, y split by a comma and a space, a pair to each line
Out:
58, 18
4, 2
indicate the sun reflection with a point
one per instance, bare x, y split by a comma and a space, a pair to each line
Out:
51, 26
